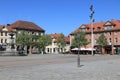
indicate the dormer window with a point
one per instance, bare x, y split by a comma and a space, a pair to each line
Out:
83, 29
108, 27
98, 29
32, 32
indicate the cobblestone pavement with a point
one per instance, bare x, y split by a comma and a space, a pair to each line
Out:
59, 67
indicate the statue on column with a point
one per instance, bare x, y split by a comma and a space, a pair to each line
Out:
12, 40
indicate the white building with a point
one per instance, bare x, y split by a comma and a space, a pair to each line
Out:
16, 28
53, 48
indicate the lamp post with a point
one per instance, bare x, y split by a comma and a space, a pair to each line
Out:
92, 22
78, 40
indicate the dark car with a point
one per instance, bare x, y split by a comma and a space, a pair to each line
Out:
3, 47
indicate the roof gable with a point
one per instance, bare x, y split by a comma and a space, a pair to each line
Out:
3, 28
108, 23
56, 36
84, 26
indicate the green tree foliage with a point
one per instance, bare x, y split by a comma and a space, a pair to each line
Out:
25, 39
80, 40
61, 41
22, 38
102, 40
44, 41
33, 40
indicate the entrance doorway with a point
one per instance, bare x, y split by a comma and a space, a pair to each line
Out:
108, 49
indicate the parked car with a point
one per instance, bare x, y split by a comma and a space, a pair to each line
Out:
2, 47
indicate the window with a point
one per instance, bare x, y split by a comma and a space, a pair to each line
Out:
1, 33
5, 40
115, 33
1, 40
58, 50
48, 50
110, 40
83, 29
109, 33
32, 32
5, 33
116, 40
53, 49
107, 27
28, 32
98, 28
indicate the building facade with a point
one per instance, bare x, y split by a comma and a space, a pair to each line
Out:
111, 30
53, 48
16, 28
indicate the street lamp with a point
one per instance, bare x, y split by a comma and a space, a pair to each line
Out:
92, 22
78, 40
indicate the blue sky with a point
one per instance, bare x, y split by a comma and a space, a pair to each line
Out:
58, 16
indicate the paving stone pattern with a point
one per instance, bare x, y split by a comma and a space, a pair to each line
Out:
90, 70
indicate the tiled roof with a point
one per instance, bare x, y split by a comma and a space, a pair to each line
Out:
117, 24
1, 26
9, 29
67, 39
56, 35
101, 25
25, 25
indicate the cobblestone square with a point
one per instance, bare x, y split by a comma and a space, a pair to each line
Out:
60, 67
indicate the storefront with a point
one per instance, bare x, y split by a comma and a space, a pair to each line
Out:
117, 49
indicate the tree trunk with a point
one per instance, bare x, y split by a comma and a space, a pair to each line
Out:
103, 50
112, 50
30, 50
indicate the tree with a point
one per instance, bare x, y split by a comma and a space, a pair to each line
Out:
25, 39
61, 42
80, 39
21, 38
44, 41
102, 41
